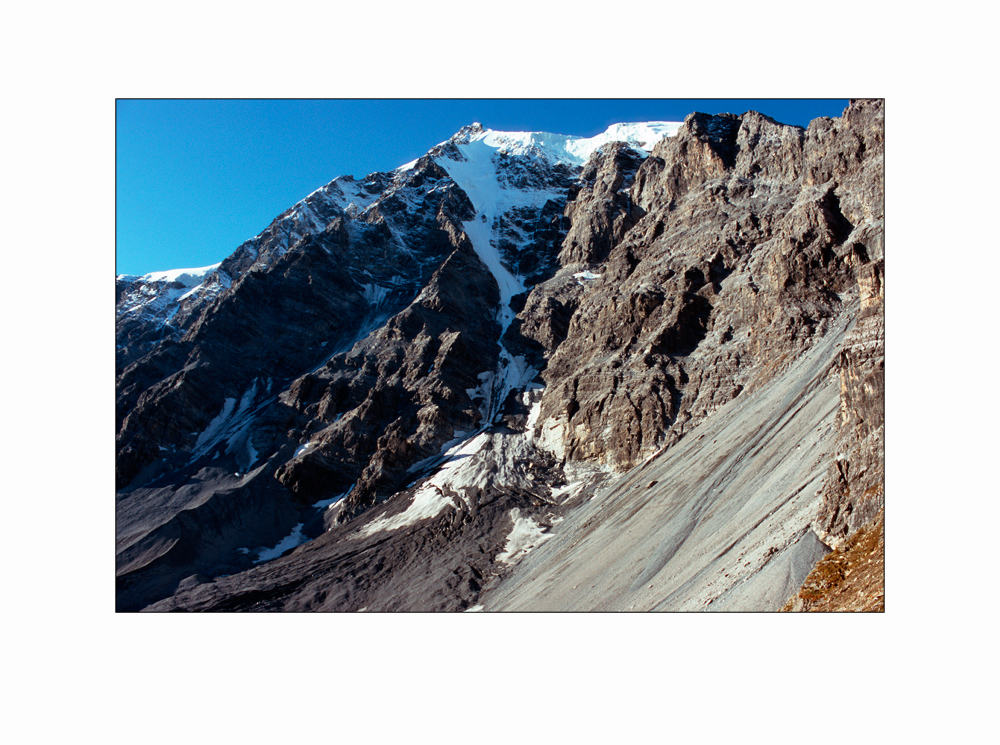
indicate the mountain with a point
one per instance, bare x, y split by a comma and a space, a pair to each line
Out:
526, 371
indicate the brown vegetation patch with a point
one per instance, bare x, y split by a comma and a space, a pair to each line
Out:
851, 578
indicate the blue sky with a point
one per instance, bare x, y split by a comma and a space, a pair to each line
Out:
195, 178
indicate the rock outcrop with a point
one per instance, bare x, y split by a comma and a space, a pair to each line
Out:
730, 272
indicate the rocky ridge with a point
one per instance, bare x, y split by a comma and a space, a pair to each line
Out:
427, 373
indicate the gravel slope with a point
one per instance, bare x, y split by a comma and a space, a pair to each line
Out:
721, 521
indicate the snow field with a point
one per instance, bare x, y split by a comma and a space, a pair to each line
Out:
374, 294
207, 437
477, 177
525, 535
293, 539
460, 437
158, 303
188, 277
429, 500
485, 459
575, 150
565, 493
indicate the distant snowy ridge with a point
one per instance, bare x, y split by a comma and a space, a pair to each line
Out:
157, 296
187, 277
571, 149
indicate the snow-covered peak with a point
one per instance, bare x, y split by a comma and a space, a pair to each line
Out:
496, 188
187, 277
157, 297
571, 149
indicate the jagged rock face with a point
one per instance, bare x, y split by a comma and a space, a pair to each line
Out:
413, 374
848, 153
855, 490
702, 150
151, 309
409, 368
735, 266
291, 309
602, 205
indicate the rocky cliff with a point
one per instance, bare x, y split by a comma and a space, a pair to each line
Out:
643, 371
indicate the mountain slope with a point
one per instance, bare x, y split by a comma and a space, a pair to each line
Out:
425, 375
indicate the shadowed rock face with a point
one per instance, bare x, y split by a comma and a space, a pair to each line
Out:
339, 382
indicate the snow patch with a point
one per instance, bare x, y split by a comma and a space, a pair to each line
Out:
324, 504
158, 295
427, 502
526, 535
293, 539
231, 426
374, 294
551, 438
187, 277
477, 177
486, 460
575, 150
242, 440
565, 493
458, 439
430, 499
533, 413
206, 437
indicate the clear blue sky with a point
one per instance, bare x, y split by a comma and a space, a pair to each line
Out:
195, 178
